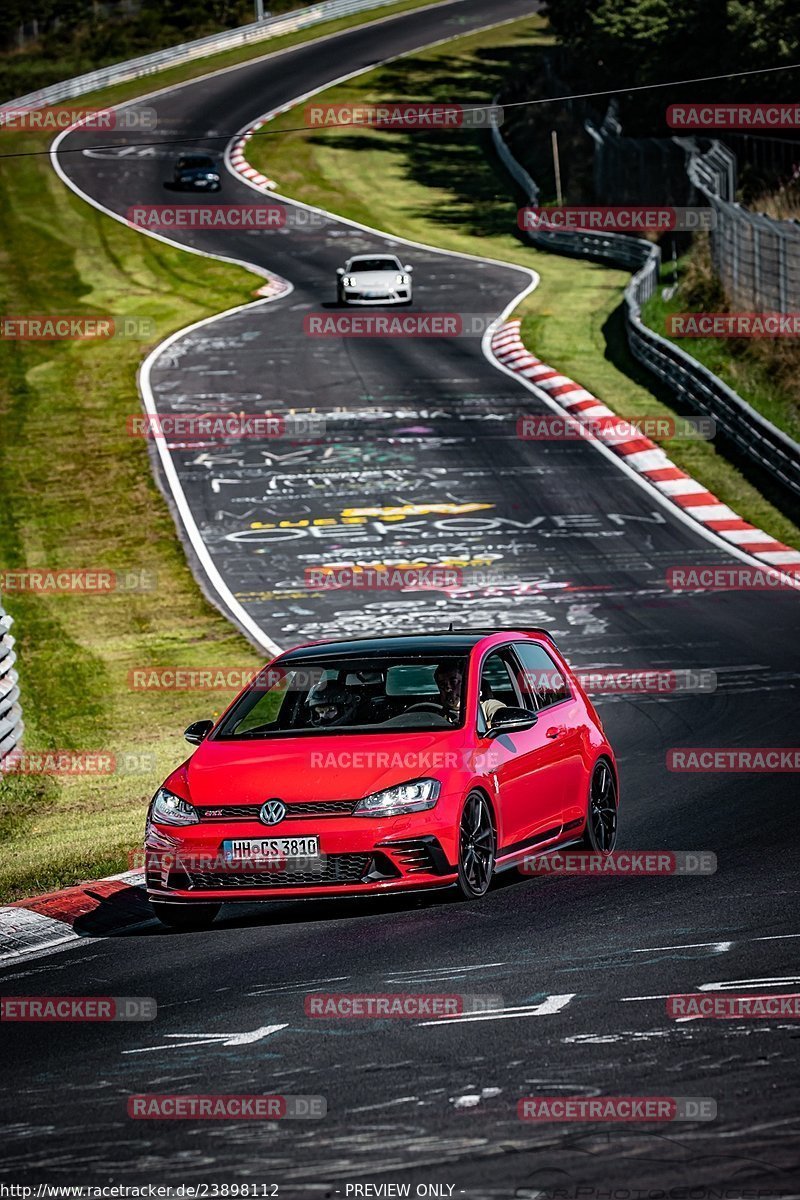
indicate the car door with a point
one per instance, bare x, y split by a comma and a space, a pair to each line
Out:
561, 719
525, 766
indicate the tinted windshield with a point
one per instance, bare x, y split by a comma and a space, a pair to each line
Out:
375, 264
351, 695
195, 160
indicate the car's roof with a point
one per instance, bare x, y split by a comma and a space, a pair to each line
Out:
370, 257
450, 641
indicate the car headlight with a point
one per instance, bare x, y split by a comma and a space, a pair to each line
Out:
405, 798
349, 281
169, 809
404, 279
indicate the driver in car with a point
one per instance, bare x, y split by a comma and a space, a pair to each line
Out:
449, 679
331, 703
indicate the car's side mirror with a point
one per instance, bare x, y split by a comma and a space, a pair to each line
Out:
408, 269
511, 720
198, 731
340, 270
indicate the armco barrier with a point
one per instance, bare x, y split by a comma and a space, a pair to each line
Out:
10, 712
753, 435
148, 64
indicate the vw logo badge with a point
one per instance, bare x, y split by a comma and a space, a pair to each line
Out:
272, 811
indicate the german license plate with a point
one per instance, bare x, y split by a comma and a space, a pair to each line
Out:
256, 850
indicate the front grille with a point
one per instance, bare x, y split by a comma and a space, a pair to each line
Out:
335, 869
249, 812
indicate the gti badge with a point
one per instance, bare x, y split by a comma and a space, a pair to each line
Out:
272, 811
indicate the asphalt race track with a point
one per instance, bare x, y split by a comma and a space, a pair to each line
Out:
576, 545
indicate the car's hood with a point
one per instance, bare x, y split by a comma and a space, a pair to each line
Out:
328, 767
374, 278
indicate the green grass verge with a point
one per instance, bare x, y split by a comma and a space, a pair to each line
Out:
91, 40
76, 491
241, 54
447, 189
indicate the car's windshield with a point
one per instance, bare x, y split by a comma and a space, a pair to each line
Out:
350, 695
374, 264
196, 160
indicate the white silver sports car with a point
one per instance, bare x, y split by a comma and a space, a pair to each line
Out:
374, 279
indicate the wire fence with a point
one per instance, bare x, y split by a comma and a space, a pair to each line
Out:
694, 386
630, 170
756, 256
11, 725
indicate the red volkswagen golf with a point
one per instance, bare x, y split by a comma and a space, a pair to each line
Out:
379, 765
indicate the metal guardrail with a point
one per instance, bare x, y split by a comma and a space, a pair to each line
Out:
229, 39
11, 725
694, 385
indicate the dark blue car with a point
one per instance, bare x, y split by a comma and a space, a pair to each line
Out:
197, 172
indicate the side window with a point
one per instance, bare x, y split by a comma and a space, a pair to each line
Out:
540, 680
498, 688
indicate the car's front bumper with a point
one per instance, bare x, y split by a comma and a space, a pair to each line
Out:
198, 185
357, 857
401, 296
